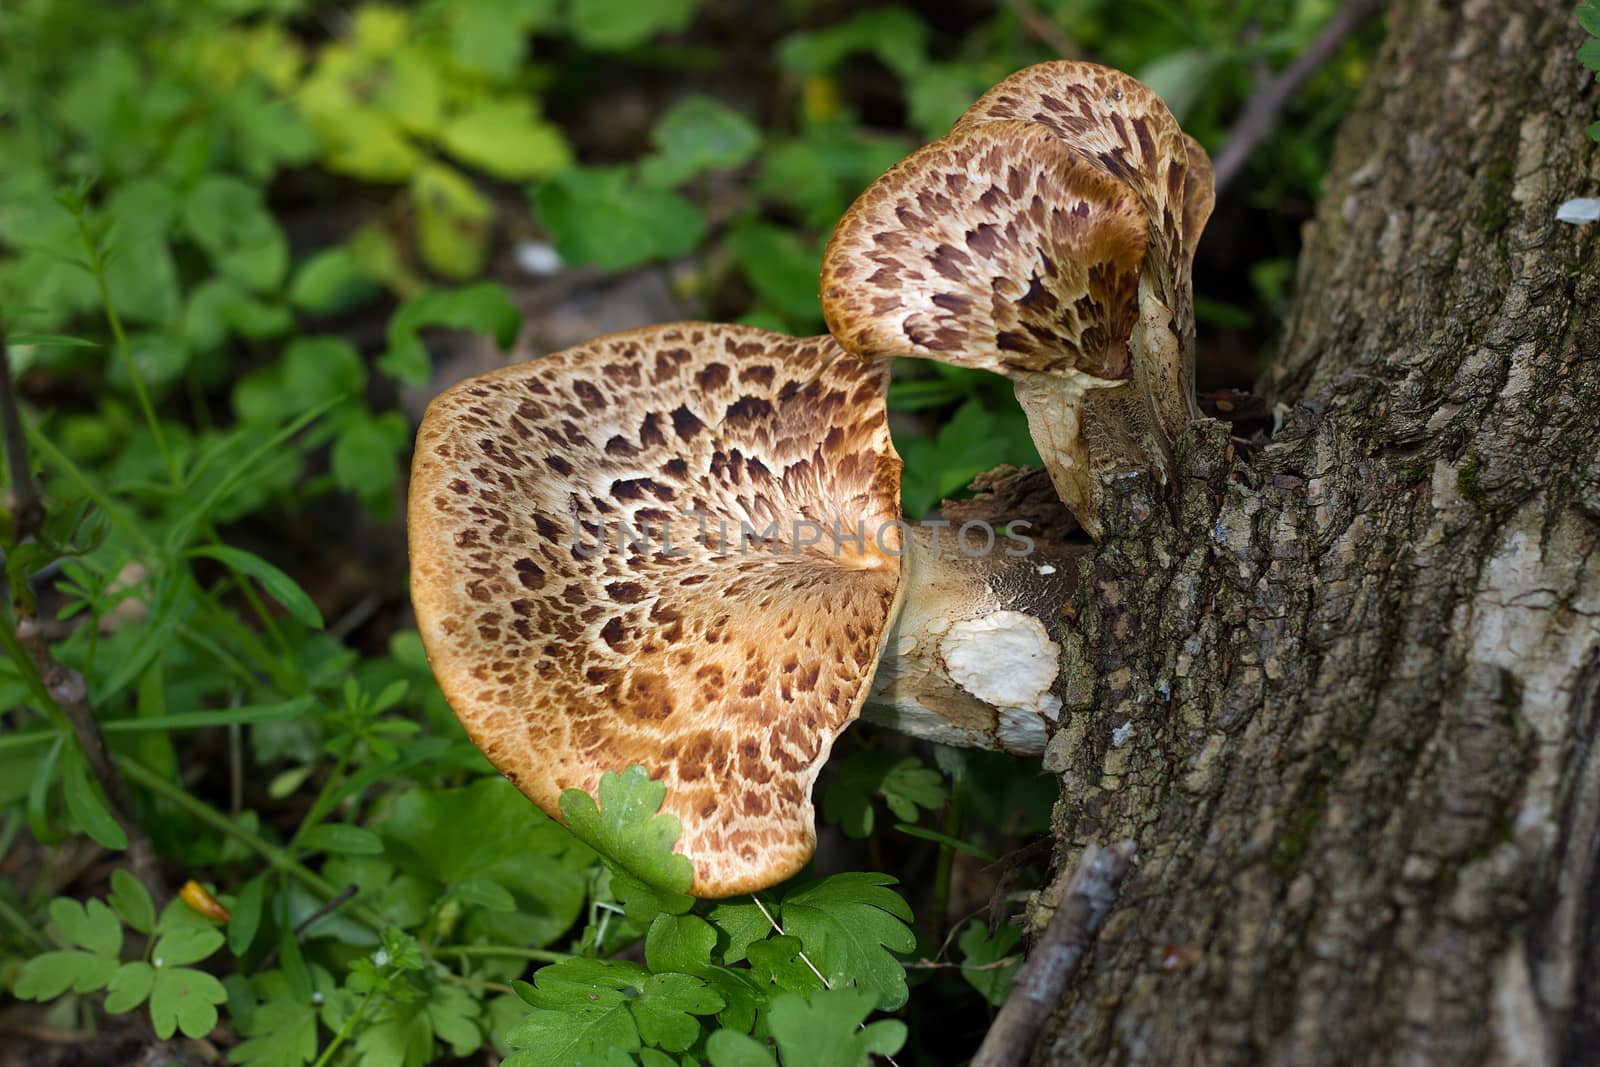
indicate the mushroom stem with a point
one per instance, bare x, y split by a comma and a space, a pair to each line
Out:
972, 657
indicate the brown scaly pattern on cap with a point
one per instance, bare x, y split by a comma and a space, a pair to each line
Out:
994, 247
1111, 118
726, 666
1118, 122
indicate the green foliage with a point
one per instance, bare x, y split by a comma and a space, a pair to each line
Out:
1588, 14
902, 782
231, 235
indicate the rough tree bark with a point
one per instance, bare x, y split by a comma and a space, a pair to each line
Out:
1345, 691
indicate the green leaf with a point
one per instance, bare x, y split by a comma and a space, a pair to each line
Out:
851, 925
612, 25
824, 1029
601, 215
512, 844
58, 340
278, 585
584, 1006
283, 1034
331, 281
777, 961
666, 1007
130, 986
697, 134
1589, 54
483, 307
903, 782
729, 1048
228, 217
186, 943
90, 925
679, 943
1589, 18
626, 829
503, 137
342, 838
782, 268
87, 804
130, 900
247, 909
980, 952
185, 999
50, 974
366, 456
944, 839
453, 221
737, 926
483, 893
895, 35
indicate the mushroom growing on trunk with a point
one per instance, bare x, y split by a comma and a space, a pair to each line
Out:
1049, 237
681, 547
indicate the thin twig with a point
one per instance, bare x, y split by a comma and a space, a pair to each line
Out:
63, 686
1260, 117
1055, 958
327, 908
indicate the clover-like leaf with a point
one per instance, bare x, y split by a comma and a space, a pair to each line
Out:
825, 1029
985, 964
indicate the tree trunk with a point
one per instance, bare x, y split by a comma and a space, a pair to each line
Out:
1344, 691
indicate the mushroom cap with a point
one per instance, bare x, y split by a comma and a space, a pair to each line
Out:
1120, 123
726, 666
995, 247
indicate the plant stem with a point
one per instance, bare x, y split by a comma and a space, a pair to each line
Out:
27, 511
277, 857
97, 266
344, 1031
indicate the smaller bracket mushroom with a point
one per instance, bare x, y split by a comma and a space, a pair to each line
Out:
1048, 237
681, 547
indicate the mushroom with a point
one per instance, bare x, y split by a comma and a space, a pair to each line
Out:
681, 547
1049, 237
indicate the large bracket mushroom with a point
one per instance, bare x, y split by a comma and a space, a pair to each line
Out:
1049, 237
682, 547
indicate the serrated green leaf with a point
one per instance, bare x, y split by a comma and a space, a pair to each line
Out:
628, 830
283, 1034
130, 900
666, 1007
903, 782
185, 999
278, 585
130, 986
850, 925
87, 804
778, 962
1589, 54
583, 1008
824, 1029
228, 217
981, 952
738, 925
